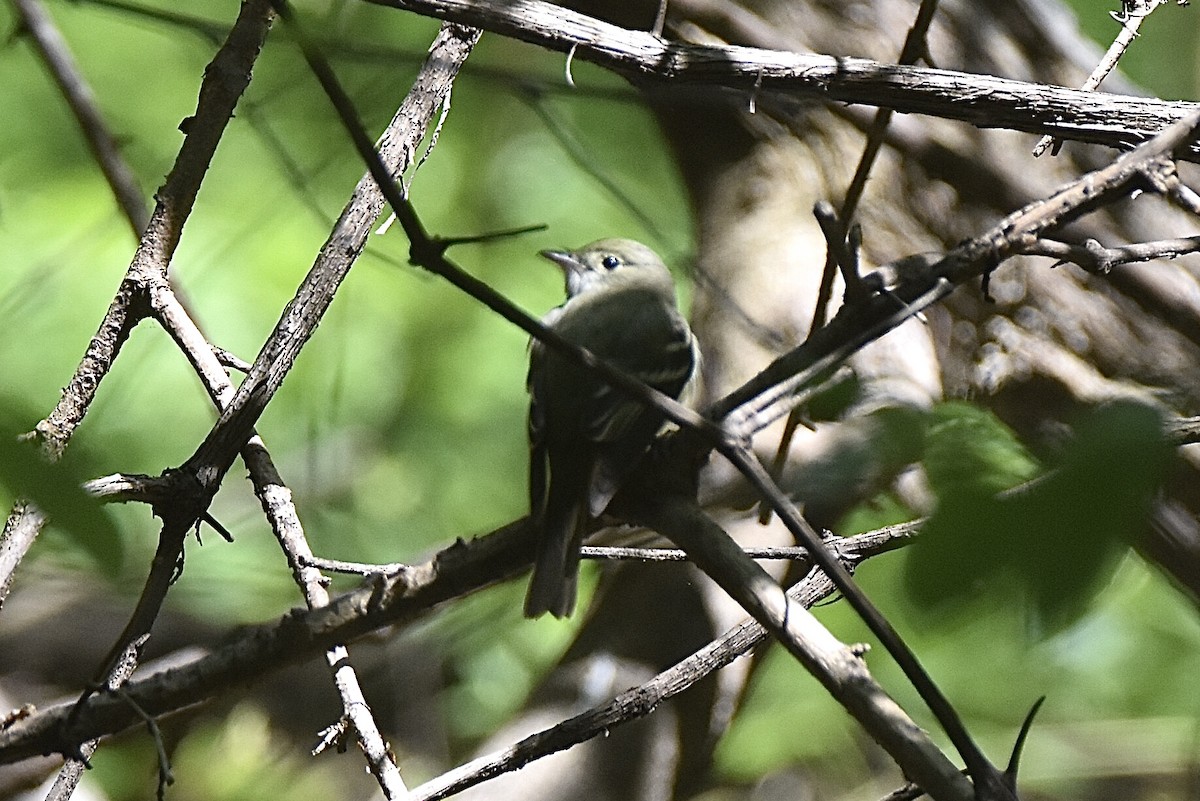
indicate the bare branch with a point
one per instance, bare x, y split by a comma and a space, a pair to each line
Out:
1096, 258
981, 100
457, 570
915, 47
21, 528
225, 80
839, 669
299, 635
214, 456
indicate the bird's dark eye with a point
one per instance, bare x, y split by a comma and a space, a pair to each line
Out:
611, 262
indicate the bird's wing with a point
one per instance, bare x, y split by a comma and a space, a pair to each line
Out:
665, 362
623, 427
537, 430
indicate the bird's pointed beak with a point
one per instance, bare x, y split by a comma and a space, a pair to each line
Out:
565, 259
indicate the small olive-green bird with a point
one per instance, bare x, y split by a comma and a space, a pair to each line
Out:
584, 435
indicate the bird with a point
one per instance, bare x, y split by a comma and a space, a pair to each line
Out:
585, 436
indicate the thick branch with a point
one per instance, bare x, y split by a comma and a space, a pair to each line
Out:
981, 100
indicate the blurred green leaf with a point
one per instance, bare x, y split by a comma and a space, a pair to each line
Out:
1056, 540
969, 451
831, 401
57, 490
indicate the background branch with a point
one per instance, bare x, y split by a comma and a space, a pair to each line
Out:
375, 411
36, 22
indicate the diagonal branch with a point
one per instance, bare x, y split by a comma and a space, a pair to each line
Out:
176, 499
751, 586
986, 777
345, 243
224, 82
841, 670
643, 699
915, 283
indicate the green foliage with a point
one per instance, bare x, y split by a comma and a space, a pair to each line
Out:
1164, 57
1058, 539
969, 452
57, 490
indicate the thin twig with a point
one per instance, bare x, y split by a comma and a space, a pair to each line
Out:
915, 48
1183, 196
1096, 258
1134, 13
165, 778
219, 94
611, 553
621, 554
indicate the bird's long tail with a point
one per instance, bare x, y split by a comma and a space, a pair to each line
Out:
552, 587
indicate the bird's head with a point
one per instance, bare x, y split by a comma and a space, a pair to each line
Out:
607, 262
